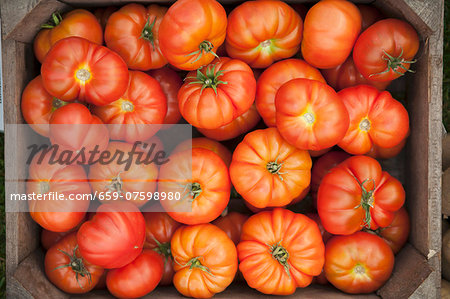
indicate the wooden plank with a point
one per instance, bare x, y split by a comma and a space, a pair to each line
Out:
22, 19
410, 271
446, 192
18, 67
31, 275
15, 290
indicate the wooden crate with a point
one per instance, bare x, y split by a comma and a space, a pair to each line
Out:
417, 269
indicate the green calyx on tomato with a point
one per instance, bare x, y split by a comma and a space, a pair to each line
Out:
367, 200
395, 62
194, 190
116, 184
163, 249
359, 269
77, 265
204, 47
281, 255
147, 32
44, 187
53, 22
274, 168
57, 103
208, 80
195, 263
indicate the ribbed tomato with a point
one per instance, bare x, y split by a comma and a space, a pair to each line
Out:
38, 105
330, 30
191, 31
199, 182
217, 94
133, 181
310, 115
78, 22
240, 125
358, 263
268, 171
69, 180
378, 152
132, 32
138, 113
75, 68
262, 32
205, 260
68, 270
159, 229
273, 78
376, 118
280, 251
357, 194
114, 237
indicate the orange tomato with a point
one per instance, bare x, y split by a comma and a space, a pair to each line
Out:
231, 224
208, 144
262, 32
330, 31
205, 260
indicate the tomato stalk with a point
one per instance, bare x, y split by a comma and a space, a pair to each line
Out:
44, 187
274, 168
281, 255
163, 249
77, 265
195, 263
116, 184
367, 200
57, 103
205, 47
193, 189
208, 80
395, 62
147, 32
364, 125
53, 22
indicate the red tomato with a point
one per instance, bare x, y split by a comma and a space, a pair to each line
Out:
143, 104
138, 278
38, 106
205, 260
330, 31
357, 194
376, 118
306, 110
170, 83
159, 229
191, 31
321, 167
78, 22
240, 125
87, 132
103, 13
267, 171
347, 75
320, 152
396, 234
231, 224
208, 144
132, 181
132, 32
280, 251
273, 78
359, 263
68, 270
378, 152
217, 94
369, 15
49, 238
200, 181
385, 50
77, 69
58, 178
114, 237
261, 45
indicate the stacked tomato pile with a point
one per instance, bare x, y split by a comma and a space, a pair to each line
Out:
315, 76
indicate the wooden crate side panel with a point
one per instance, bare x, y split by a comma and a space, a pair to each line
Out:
22, 19
18, 65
